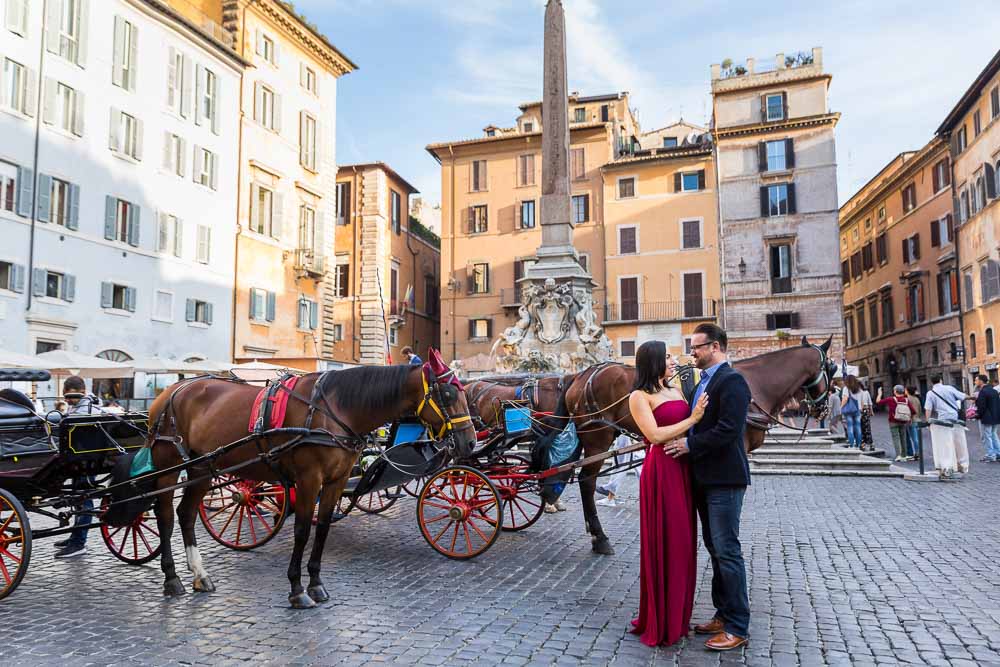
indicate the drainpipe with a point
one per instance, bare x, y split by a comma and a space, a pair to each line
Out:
356, 270
413, 253
454, 297
958, 267
239, 198
40, 94
722, 236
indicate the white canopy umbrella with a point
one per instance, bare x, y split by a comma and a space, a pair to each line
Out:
67, 362
258, 371
203, 366
156, 366
10, 359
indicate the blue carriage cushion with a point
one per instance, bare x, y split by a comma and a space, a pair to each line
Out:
408, 433
517, 419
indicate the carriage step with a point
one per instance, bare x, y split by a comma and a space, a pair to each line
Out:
388, 495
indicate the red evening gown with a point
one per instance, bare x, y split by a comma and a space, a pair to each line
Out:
668, 547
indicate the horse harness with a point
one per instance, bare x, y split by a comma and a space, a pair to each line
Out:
762, 420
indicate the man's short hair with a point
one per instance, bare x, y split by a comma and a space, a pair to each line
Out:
714, 333
74, 384
407, 350
935, 379
899, 389
983, 378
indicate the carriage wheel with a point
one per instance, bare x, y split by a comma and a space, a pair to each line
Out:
412, 487
135, 543
242, 514
520, 503
459, 512
377, 502
15, 543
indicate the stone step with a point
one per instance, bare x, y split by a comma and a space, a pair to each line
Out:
892, 472
771, 451
795, 442
820, 463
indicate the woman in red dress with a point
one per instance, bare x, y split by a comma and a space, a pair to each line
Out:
667, 518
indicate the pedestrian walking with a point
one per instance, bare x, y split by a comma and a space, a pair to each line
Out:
913, 430
411, 357
850, 408
988, 412
836, 419
867, 439
610, 488
900, 417
944, 410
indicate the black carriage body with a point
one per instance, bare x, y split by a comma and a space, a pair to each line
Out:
394, 466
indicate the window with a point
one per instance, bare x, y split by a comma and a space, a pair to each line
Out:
577, 166
961, 140
881, 248
205, 168
342, 277
262, 305
579, 114
343, 203
430, 296
308, 80
881, 213
873, 314
888, 319
478, 219
947, 291
909, 198
627, 348
781, 321
855, 234
198, 311
915, 303
781, 268
777, 199
163, 306
528, 214
394, 336
777, 155
266, 48
867, 257
689, 182
628, 298
307, 228
52, 285
207, 96
478, 175
480, 328
121, 221
690, 234
124, 66
626, 187
170, 239
262, 211
525, 170
62, 107
692, 284
941, 175
911, 249
989, 281
307, 141
774, 107
204, 252
8, 186
988, 335
605, 113
977, 124
581, 209
995, 102
491, 133
967, 287
118, 297
396, 211
308, 314
267, 107
17, 17
18, 92
868, 224
394, 289
845, 272
972, 346
174, 152
583, 259
338, 332
942, 231
479, 279
529, 127
627, 241
670, 142
125, 137
176, 88
11, 277
60, 211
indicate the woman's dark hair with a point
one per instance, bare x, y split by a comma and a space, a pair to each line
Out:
650, 366
853, 384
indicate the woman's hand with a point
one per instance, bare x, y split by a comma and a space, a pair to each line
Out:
698, 410
676, 448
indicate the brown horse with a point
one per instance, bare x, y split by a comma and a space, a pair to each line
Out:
195, 417
597, 401
487, 396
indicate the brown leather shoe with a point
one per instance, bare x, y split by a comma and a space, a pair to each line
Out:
713, 627
725, 642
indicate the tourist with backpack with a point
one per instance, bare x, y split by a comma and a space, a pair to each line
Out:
851, 401
901, 415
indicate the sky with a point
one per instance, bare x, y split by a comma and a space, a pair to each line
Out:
439, 70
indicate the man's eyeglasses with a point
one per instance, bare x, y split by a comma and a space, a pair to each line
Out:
695, 347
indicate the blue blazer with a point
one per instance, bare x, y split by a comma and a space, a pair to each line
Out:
716, 442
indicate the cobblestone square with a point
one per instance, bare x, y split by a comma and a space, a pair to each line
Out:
842, 571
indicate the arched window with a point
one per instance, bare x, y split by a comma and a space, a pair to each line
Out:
972, 346
118, 389
114, 355
989, 341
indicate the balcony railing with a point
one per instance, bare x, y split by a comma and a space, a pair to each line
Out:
660, 311
308, 260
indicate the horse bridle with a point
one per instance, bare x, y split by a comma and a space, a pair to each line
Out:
824, 373
435, 399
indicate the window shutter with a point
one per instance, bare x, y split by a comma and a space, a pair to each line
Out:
25, 191
199, 94
17, 278
470, 278
271, 306
186, 86
107, 291
133, 60
182, 158
794, 317
472, 219
196, 163
677, 181
52, 20
168, 152
278, 230
983, 280
276, 126
319, 241
258, 103
763, 108
489, 328
130, 299
789, 153
935, 233
133, 225
762, 156
110, 204
991, 184
906, 251
49, 100
935, 177
82, 23
38, 277
784, 106
792, 207
764, 209
78, 117
299, 319
173, 76
44, 198
950, 226
313, 315
303, 149
253, 303
67, 290
208, 313
214, 171
114, 140
701, 179
30, 92
916, 246
138, 138
73, 222
940, 293
190, 309
472, 328
117, 71
215, 105
953, 284
770, 323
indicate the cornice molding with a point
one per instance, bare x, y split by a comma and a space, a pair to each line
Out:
769, 128
307, 37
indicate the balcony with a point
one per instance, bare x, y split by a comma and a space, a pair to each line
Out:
309, 262
660, 311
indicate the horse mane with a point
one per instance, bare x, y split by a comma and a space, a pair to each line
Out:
366, 387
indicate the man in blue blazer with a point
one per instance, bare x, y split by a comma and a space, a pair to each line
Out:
721, 475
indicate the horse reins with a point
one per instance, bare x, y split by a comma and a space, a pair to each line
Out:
824, 372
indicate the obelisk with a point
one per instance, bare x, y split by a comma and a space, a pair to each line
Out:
557, 257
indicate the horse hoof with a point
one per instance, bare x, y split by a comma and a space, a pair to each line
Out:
173, 587
603, 546
301, 601
318, 593
203, 585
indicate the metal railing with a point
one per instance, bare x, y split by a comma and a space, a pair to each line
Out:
660, 311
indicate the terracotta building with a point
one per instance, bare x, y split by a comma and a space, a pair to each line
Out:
972, 131
385, 267
899, 271
777, 171
628, 212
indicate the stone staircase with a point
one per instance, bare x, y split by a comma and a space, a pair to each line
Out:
787, 452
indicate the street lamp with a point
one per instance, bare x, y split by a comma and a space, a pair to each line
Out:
743, 268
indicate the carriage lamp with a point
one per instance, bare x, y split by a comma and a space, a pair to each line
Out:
743, 267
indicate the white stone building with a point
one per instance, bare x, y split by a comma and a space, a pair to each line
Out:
119, 177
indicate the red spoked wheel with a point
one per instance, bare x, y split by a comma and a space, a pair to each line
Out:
520, 504
459, 512
412, 488
242, 514
15, 543
377, 502
135, 544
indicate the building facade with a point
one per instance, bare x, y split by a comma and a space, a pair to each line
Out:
119, 238
777, 173
636, 207
972, 132
900, 276
385, 291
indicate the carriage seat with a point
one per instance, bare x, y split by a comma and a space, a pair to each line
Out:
21, 430
17, 410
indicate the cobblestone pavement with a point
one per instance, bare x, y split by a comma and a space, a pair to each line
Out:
842, 571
